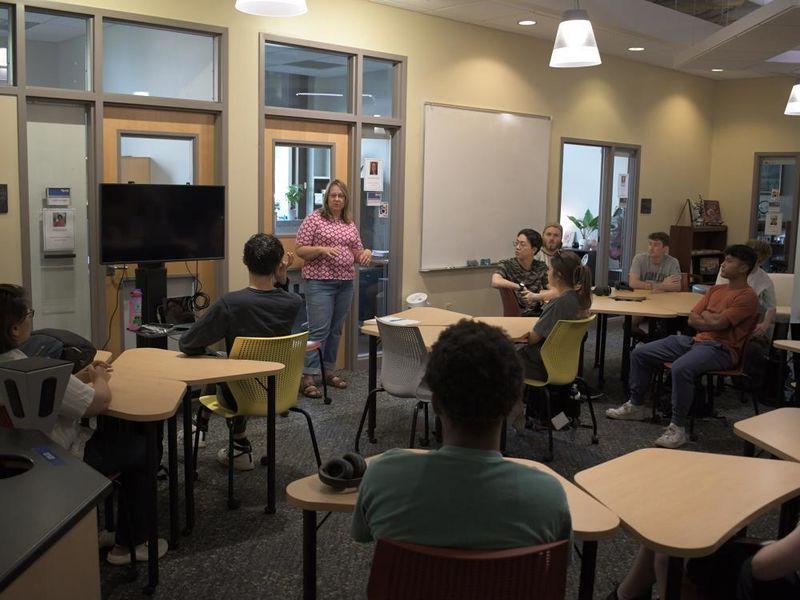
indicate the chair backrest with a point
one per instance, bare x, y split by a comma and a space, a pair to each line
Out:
784, 287
685, 278
289, 350
404, 571
561, 350
510, 305
404, 359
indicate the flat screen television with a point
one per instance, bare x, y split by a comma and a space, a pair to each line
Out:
146, 223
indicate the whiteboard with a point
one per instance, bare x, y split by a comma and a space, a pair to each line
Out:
484, 179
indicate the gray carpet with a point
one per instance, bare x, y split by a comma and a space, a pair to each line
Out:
246, 554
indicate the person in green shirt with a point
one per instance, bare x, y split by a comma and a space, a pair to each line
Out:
465, 495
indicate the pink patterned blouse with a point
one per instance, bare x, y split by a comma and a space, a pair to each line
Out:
316, 230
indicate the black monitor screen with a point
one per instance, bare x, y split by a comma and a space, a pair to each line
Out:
142, 223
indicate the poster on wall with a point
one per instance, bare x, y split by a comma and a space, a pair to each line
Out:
372, 170
374, 198
383, 211
623, 185
773, 224
58, 229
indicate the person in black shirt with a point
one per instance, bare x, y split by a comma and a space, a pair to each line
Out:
265, 308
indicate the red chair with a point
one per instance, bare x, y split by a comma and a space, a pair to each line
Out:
404, 571
510, 305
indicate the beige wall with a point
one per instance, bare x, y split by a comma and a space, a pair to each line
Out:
667, 113
10, 227
748, 118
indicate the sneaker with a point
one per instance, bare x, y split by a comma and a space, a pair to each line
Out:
628, 412
124, 558
673, 437
203, 434
242, 457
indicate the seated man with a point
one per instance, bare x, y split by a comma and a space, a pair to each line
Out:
654, 270
526, 276
465, 495
723, 319
551, 241
265, 308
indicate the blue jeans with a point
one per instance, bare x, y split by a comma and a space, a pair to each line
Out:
689, 360
327, 302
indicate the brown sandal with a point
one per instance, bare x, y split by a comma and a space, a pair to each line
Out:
309, 389
337, 382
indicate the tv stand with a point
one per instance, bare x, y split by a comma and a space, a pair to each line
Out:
151, 278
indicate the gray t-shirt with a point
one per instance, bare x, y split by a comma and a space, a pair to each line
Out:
647, 270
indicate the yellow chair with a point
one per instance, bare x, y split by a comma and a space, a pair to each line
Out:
561, 354
249, 394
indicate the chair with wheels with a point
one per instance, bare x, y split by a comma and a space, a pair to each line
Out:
402, 369
250, 396
405, 571
561, 354
510, 305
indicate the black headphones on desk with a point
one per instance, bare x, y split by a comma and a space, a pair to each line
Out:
345, 472
602, 290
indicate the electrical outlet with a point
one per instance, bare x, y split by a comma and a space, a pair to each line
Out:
448, 306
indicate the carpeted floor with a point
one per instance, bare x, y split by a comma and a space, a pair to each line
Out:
246, 554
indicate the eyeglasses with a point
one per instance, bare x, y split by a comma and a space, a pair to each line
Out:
518, 244
333, 195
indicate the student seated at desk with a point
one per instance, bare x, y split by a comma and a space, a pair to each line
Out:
723, 319
88, 395
763, 287
654, 270
464, 495
523, 274
552, 236
265, 308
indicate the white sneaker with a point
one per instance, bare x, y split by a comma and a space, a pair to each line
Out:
201, 444
140, 552
673, 437
242, 457
627, 412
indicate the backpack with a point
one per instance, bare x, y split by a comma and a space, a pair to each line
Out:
62, 344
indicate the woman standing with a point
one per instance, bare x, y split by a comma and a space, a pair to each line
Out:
329, 242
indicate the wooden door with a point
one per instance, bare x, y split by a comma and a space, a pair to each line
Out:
157, 122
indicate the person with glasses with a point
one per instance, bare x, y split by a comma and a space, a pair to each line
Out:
329, 242
89, 395
523, 274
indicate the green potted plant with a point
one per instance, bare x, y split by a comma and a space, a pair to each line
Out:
293, 195
586, 226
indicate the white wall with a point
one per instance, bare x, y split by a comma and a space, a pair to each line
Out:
171, 160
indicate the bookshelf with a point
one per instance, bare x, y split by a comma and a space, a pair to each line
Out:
699, 250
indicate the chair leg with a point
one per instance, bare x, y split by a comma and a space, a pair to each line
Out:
233, 503
327, 399
426, 441
414, 425
311, 432
595, 438
196, 441
372, 394
503, 437
549, 456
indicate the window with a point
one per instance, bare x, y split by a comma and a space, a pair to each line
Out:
5, 45
300, 177
377, 100
151, 61
57, 50
775, 209
160, 160
306, 78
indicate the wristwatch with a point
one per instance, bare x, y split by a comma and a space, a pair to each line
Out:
521, 287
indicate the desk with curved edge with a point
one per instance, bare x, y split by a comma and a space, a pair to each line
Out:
776, 431
157, 363
591, 521
432, 322
648, 490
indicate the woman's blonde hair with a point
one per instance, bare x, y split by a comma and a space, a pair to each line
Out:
325, 211
762, 248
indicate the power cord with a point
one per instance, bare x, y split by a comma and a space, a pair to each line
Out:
199, 300
116, 305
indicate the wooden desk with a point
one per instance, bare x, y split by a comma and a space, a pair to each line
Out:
777, 432
783, 314
103, 355
687, 504
681, 303
591, 521
432, 322
156, 363
788, 345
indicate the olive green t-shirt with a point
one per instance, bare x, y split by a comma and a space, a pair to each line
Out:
459, 498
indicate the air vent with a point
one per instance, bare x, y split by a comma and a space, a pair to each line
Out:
316, 65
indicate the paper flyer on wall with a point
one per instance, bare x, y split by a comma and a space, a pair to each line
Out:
58, 229
383, 211
623, 185
374, 198
773, 224
372, 170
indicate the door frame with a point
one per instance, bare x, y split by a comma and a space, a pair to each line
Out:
606, 202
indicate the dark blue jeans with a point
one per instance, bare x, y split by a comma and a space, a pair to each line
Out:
689, 360
327, 302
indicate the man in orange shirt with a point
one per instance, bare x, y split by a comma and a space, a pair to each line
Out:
723, 319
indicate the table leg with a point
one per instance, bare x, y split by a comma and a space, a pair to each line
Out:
152, 508
788, 518
309, 555
604, 326
172, 449
748, 449
674, 578
271, 382
373, 383
588, 564
188, 461
626, 348
597, 334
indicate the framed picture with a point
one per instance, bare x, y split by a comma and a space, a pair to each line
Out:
696, 211
708, 265
712, 215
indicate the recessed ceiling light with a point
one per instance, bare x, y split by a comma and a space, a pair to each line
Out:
526, 22
635, 49
717, 70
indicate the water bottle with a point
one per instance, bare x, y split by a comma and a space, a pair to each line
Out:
135, 310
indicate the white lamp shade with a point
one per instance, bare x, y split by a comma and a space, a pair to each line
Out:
793, 105
575, 45
272, 8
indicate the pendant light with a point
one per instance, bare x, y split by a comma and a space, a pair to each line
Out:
793, 105
575, 45
272, 8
